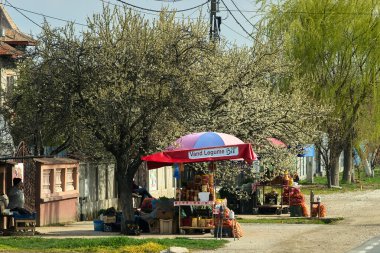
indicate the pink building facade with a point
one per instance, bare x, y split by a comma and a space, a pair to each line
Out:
57, 190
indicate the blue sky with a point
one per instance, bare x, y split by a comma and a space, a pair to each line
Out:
78, 10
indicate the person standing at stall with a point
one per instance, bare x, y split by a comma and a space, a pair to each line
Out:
140, 191
296, 178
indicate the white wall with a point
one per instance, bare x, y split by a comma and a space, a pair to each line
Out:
161, 182
97, 184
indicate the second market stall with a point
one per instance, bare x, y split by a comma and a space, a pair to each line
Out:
198, 193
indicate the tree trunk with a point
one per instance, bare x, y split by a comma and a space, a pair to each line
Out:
328, 175
318, 169
347, 162
334, 166
124, 179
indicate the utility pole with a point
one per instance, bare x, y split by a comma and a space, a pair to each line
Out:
215, 21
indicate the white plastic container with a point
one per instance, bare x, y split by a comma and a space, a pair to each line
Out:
204, 196
231, 215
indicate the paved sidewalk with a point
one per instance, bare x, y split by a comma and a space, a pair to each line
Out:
85, 229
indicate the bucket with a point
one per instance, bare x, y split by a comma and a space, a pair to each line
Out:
98, 225
204, 196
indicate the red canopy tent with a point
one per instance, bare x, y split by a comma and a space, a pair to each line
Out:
228, 152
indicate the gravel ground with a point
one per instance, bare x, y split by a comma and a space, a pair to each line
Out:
361, 222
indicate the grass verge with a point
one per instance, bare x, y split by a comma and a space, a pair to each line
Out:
362, 182
292, 220
106, 245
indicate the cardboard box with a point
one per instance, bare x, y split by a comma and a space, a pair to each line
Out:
164, 214
166, 226
109, 219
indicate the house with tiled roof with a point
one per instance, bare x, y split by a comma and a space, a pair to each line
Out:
13, 44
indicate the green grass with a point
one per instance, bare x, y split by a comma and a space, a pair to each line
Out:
362, 183
292, 220
110, 244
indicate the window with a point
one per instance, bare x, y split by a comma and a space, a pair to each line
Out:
10, 84
71, 177
153, 180
47, 182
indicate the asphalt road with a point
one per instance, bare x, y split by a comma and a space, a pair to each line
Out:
370, 246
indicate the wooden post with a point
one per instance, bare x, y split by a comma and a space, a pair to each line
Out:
311, 202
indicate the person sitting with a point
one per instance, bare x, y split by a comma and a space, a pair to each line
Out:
16, 195
140, 191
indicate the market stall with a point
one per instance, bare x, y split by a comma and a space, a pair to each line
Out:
195, 193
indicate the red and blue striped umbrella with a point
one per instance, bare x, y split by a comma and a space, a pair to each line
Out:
204, 140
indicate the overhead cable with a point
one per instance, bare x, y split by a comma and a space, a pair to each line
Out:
241, 26
31, 20
234, 30
120, 6
152, 10
146, 12
41, 14
242, 13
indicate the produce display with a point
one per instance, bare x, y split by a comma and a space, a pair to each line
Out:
201, 183
198, 193
293, 197
322, 211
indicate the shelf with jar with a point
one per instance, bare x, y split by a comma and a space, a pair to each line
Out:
195, 200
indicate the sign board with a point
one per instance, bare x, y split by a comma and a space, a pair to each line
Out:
214, 152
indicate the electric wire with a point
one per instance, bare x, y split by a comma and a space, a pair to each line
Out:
169, 1
242, 13
152, 10
146, 12
231, 29
263, 12
241, 26
135, 9
41, 14
31, 20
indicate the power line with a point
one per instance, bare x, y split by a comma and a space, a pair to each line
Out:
169, 1
31, 20
242, 13
152, 10
41, 14
120, 6
231, 29
262, 12
146, 12
242, 27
